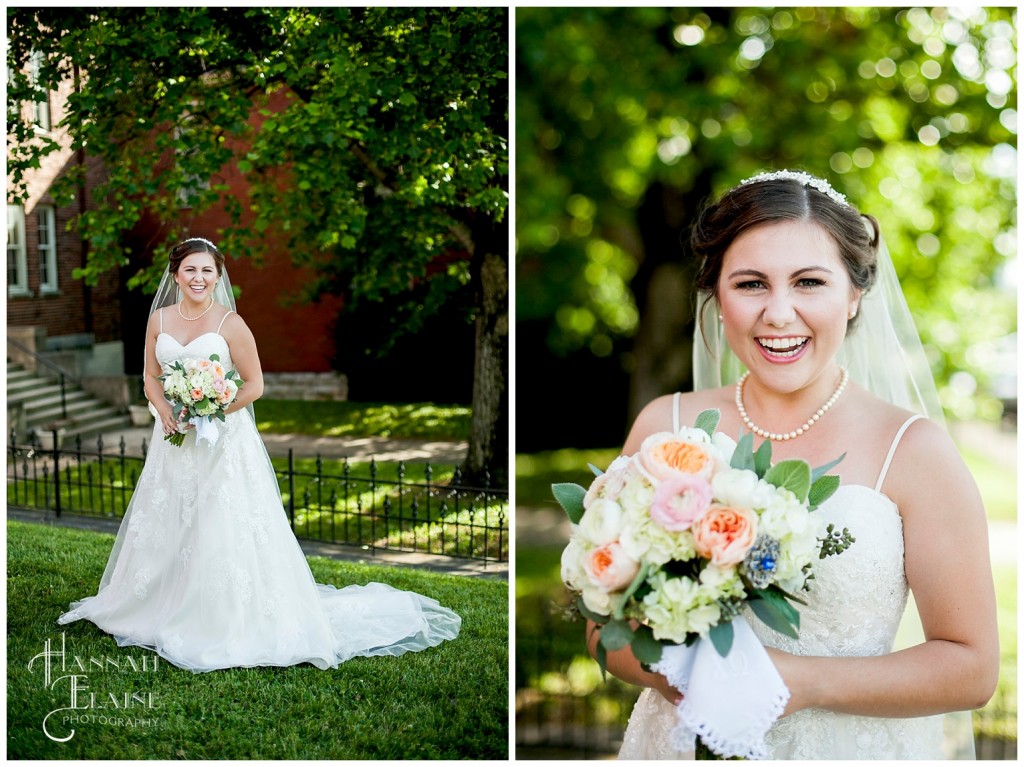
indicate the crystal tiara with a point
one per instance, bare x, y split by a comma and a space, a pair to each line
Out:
804, 178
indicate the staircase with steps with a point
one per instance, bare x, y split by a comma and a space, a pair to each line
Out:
38, 398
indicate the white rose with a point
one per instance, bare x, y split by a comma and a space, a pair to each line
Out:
597, 600
573, 574
737, 488
602, 522
610, 483
725, 445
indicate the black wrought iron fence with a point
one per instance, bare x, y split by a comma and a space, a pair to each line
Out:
376, 506
565, 710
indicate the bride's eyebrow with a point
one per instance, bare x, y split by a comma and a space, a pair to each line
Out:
762, 276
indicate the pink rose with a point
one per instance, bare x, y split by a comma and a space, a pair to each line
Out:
664, 455
609, 567
679, 502
725, 535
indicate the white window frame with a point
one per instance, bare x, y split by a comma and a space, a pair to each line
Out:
46, 229
40, 109
16, 252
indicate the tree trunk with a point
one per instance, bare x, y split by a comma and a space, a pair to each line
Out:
663, 289
487, 460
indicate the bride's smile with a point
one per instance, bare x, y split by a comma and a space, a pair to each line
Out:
786, 298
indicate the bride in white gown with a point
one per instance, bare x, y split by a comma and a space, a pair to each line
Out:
788, 264
205, 570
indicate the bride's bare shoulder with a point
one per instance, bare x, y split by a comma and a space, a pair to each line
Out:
658, 415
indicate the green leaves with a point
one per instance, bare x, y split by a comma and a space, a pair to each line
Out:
772, 608
793, 475
721, 637
708, 421
570, 497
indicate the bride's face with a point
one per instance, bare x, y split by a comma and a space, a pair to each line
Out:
786, 298
197, 276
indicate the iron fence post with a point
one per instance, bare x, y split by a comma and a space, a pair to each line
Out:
291, 487
56, 471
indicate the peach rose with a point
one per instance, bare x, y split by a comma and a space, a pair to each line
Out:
725, 535
197, 394
609, 567
665, 455
204, 364
679, 502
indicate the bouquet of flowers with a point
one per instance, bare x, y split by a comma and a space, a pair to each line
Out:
671, 544
199, 390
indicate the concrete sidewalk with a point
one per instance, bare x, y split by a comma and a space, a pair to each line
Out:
354, 448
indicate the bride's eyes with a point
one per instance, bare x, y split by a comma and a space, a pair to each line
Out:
805, 282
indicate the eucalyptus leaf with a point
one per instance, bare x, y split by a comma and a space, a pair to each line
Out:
570, 497
763, 459
646, 648
822, 489
821, 471
708, 421
793, 475
770, 615
721, 637
616, 634
597, 471
743, 456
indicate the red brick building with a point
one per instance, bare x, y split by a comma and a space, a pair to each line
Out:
42, 293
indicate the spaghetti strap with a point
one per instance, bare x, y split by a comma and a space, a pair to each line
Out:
675, 413
230, 311
892, 451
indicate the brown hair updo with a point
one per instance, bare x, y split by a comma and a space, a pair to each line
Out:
192, 245
772, 200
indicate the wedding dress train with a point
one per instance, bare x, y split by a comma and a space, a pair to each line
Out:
206, 572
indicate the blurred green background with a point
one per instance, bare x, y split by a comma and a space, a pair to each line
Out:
627, 119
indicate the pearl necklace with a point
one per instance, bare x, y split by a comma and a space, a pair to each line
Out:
844, 379
198, 316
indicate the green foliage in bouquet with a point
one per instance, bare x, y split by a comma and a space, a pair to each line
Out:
771, 604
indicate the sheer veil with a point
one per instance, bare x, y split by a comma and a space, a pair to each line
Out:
168, 294
883, 353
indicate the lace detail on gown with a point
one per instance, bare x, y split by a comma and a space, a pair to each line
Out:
854, 609
206, 571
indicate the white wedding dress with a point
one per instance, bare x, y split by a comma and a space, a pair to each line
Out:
207, 572
854, 608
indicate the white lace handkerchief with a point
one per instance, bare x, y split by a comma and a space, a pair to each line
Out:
730, 702
206, 429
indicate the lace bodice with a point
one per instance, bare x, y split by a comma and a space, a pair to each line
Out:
169, 349
867, 582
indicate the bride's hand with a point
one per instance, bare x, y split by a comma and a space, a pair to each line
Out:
667, 691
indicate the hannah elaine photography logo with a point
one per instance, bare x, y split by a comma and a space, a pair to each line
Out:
69, 675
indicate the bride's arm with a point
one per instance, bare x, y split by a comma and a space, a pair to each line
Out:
624, 665
151, 384
246, 360
947, 566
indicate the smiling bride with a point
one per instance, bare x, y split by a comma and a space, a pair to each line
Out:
205, 570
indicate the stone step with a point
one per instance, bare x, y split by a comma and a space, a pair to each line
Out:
30, 394
71, 397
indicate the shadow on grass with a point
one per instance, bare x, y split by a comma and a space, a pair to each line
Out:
448, 702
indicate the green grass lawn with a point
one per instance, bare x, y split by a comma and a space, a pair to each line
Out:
449, 702
422, 420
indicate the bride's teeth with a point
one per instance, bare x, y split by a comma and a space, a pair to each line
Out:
776, 345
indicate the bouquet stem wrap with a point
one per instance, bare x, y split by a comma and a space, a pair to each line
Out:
730, 702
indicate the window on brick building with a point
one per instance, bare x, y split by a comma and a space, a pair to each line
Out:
47, 218
41, 108
17, 272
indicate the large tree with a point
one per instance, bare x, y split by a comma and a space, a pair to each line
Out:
629, 118
373, 139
